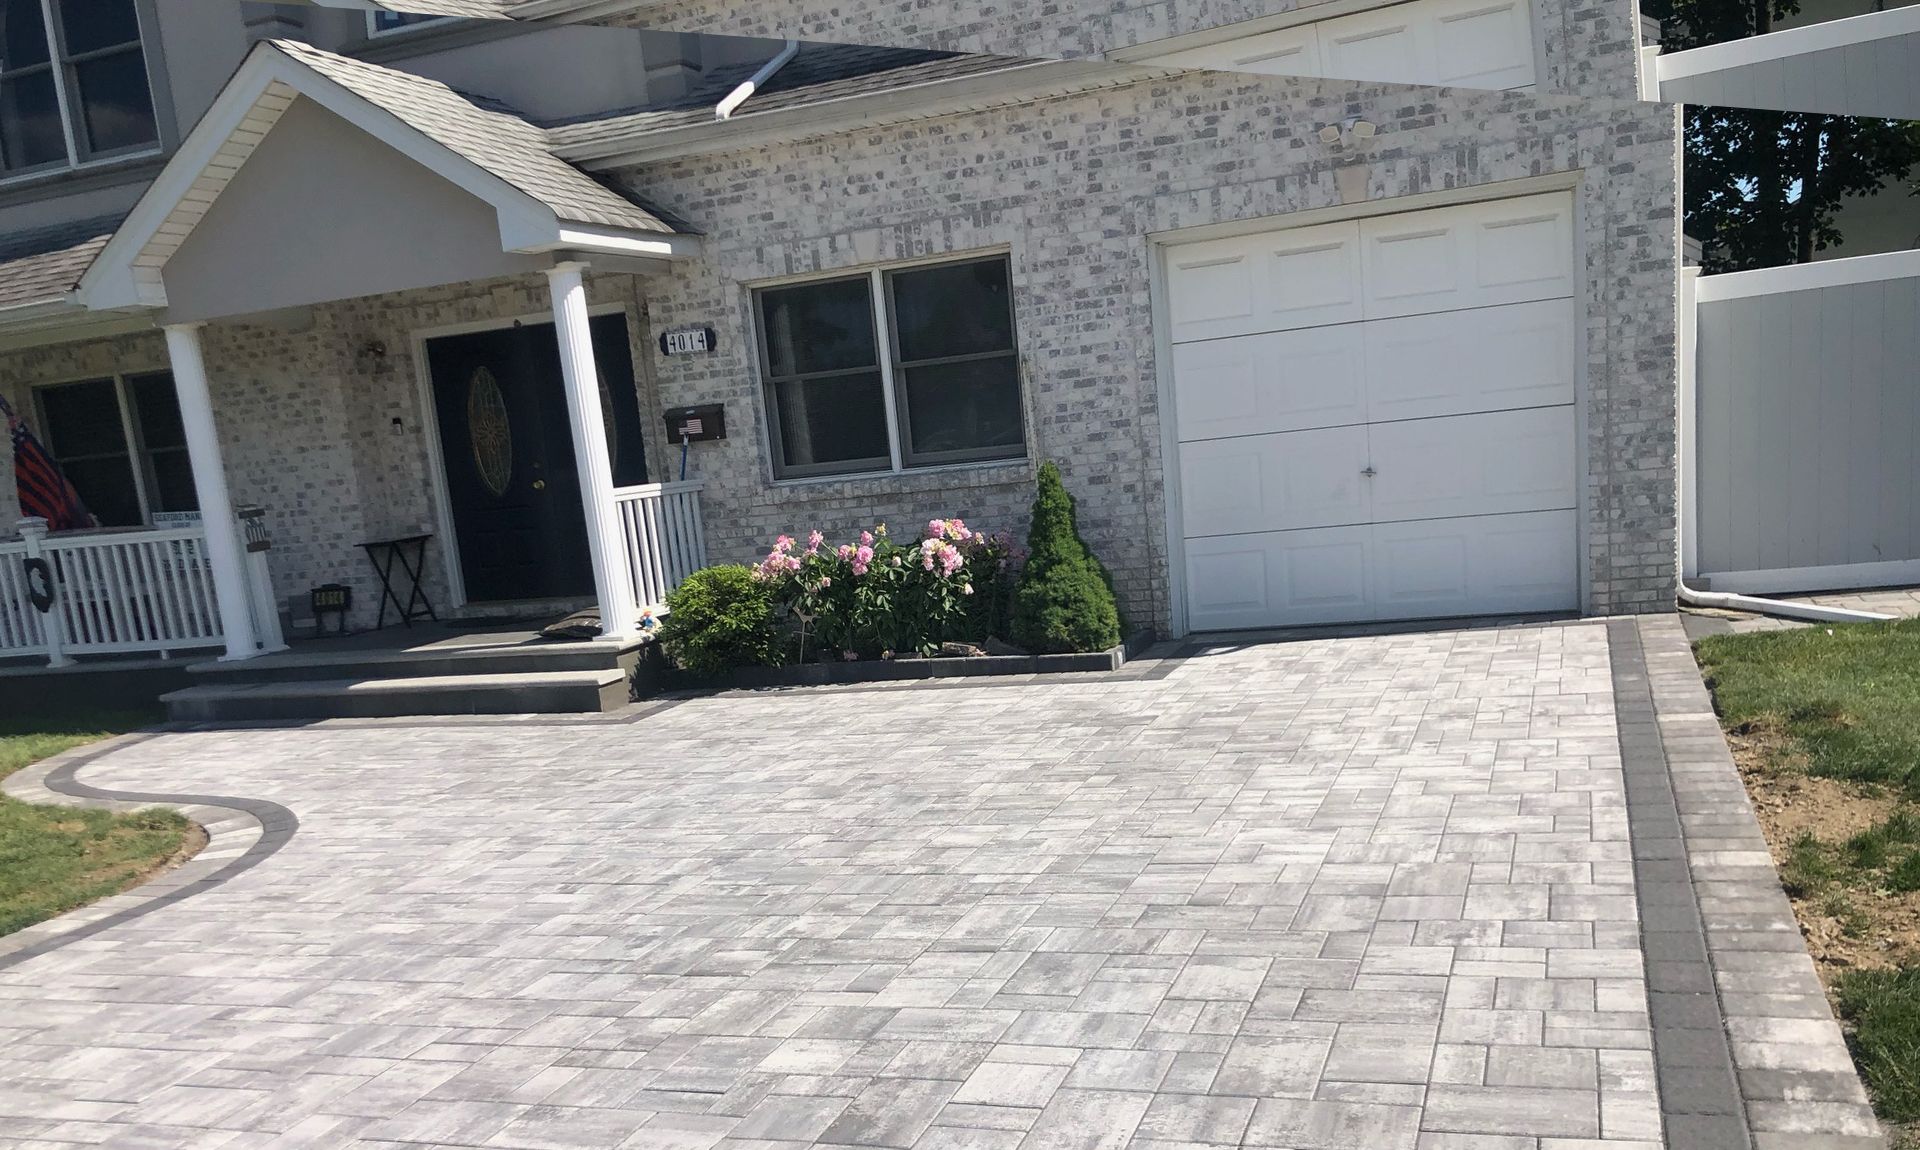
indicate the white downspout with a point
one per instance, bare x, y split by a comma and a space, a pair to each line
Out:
1685, 462
725, 109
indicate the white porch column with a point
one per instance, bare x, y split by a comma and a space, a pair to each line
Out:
210, 484
606, 543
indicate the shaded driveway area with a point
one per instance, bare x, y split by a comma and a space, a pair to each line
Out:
1362, 893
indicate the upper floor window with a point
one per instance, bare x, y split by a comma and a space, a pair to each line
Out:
73, 84
930, 376
380, 23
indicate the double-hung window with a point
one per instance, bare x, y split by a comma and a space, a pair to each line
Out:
121, 444
74, 86
891, 369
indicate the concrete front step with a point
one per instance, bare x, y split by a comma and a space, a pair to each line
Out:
419, 663
538, 692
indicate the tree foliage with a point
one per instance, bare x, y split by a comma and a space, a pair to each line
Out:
1762, 187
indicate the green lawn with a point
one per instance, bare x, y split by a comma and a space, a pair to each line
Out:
53, 859
1843, 703
1846, 699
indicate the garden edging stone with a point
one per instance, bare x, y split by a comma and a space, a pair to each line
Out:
901, 670
241, 833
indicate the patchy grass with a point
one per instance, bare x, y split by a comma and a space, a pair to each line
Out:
1845, 700
1883, 1007
53, 859
1825, 724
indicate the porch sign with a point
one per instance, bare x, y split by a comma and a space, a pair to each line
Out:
688, 341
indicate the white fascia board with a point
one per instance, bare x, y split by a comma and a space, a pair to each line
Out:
110, 282
1014, 84
608, 241
64, 321
573, 10
1788, 42
1810, 277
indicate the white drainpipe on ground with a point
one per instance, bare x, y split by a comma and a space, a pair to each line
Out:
725, 109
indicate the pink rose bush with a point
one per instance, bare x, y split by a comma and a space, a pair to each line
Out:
872, 595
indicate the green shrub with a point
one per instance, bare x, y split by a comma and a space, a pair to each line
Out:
1064, 600
1067, 607
719, 619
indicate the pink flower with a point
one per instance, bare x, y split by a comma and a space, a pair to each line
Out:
926, 560
814, 541
825, 582
784, 543
844, 551
866, 539
949, 561
936, 528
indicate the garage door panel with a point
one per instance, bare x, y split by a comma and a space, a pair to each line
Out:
1492, 463
1279, 281
1274, 482
1481, 45
1282, 381
1485, 360
1387, 46
1474, 566
1299, 577
1287, 52
1475, 255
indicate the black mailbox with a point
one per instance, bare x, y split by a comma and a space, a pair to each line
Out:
698, 424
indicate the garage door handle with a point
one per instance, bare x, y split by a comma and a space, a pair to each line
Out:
1369, 472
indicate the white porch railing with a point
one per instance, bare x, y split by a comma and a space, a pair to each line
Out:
118, 592
665, 539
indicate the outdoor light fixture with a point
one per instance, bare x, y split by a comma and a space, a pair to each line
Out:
1351, 129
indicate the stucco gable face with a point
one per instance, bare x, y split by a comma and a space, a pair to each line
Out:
322, 211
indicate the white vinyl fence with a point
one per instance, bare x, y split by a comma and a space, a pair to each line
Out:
1800, 409
665, 539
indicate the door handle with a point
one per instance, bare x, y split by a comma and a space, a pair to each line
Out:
1369, 472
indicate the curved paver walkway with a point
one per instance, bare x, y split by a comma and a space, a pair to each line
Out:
1370, 892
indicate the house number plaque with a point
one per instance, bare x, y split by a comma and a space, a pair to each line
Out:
687, 341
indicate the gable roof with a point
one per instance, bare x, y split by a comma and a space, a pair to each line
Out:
484, 132
542, 202
44, 265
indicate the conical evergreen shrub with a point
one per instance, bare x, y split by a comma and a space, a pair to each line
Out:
1064, 601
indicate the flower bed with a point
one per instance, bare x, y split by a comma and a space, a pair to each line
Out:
953, 596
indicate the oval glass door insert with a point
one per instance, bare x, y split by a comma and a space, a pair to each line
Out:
490, 431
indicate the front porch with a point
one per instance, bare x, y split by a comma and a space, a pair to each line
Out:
315, 228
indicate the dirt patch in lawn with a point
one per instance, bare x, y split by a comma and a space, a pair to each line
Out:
1848, 924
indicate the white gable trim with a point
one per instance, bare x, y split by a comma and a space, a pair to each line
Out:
128, 270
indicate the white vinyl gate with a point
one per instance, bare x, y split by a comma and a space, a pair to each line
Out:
1375, 418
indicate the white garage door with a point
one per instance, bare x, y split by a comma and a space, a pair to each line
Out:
1456, 43
1376, 418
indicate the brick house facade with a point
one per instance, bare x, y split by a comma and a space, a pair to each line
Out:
322, 420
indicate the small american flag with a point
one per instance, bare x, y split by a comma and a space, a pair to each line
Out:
44, 491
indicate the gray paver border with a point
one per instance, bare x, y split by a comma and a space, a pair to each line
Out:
1707, 881
241, 833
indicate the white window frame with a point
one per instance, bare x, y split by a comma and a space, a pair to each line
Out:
65, 91
139, 456
375, 31
885, 349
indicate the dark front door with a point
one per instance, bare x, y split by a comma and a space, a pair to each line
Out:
504, 438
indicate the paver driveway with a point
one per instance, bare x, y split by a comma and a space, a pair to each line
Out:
1363, 894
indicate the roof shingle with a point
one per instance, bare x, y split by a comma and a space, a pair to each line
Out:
43, 265
484, 132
